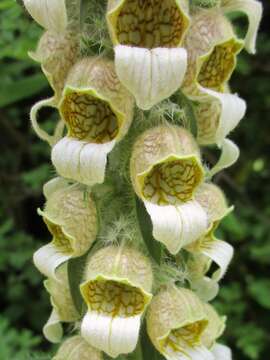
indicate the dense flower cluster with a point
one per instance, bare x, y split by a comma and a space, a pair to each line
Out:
164, 50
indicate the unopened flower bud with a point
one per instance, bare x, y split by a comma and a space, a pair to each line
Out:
97, 111
76, 348
62, 303
117, 290
176, 322
71, 217
147, 38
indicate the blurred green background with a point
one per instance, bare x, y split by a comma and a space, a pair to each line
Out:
24, 163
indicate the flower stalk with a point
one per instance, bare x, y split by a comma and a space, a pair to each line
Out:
134, 206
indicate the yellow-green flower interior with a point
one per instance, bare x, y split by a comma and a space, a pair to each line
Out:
114, 298
89, 118
184, 337
172, 182
219, 65
60, 240
150, 23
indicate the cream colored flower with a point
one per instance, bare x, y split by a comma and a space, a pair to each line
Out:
197, 267
213, 201
70, 215
76, 348
176, 323
51, 14
117, 290
97, 111
166, 172
253, 9
62, 303
212, 49
215, 328
147, 37
217, 115
57, 53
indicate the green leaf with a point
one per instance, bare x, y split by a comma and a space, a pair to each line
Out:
21, 89
75, 273
5, 4
146, 227
252, 340
259, 289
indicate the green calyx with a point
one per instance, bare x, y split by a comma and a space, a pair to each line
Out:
206, 3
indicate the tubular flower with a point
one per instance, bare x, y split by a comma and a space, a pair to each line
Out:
213, 201
253, 10
166, 170
147, 36
117, 288
57, 53
217, 116
97, 111
50, 14
70, 215
215, 328
176, 322
76, 348
212, 49
197, 267
213, 331
62, 303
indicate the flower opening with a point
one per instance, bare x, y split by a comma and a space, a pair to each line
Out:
165, 165
97, 111
70, 215
117, 292
148, 24
176, 322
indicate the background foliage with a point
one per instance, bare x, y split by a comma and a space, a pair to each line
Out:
24, 162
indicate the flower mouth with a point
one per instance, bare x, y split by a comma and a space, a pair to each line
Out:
218, 65
114, 299
89, 118
188, 336
150, 23
172, 181
60, 240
